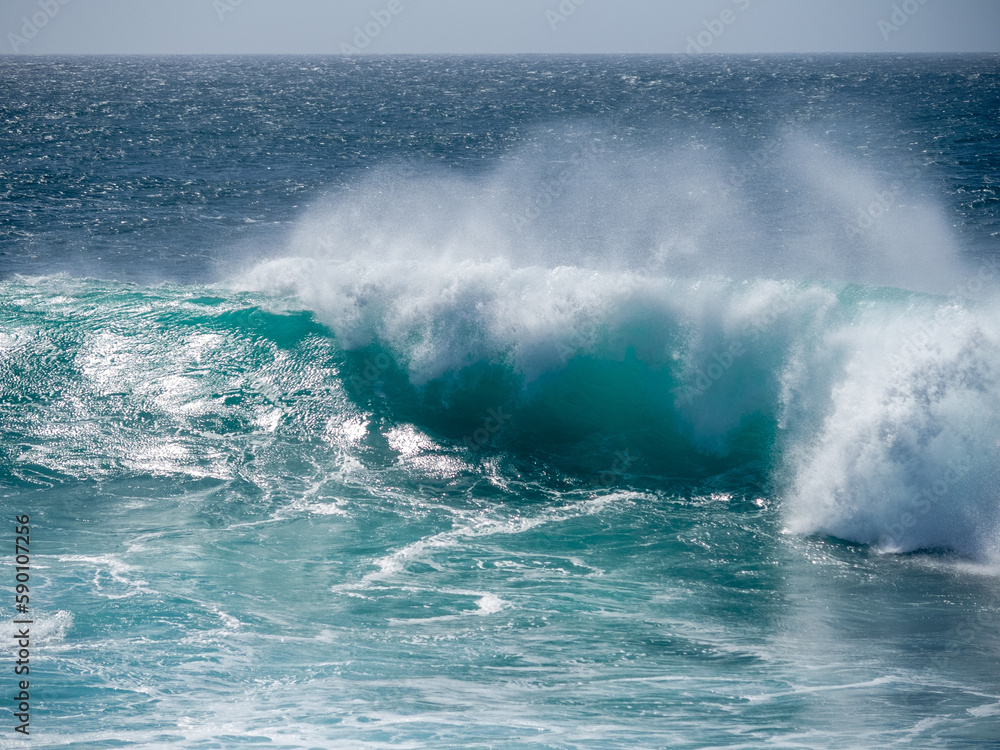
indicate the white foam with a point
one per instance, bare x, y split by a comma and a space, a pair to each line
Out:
905, 456
658, 256
46, 629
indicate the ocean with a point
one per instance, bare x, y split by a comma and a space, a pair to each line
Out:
500, 402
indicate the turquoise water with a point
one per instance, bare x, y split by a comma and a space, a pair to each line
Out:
409, 403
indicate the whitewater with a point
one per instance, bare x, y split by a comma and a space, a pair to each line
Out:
617, 416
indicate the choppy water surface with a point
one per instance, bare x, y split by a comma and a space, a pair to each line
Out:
504, 402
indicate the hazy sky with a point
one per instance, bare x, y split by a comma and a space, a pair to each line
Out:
497, 26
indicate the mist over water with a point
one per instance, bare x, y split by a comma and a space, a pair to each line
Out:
786, 209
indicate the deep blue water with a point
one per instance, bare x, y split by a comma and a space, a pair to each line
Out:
483, 402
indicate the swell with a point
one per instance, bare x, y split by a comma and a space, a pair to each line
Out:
873, 412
